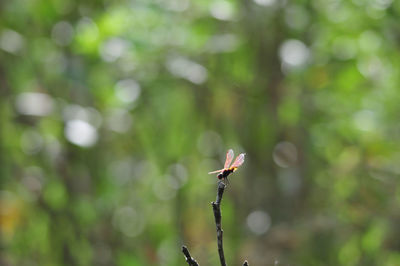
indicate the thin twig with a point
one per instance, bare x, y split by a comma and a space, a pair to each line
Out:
191, 261
217, 215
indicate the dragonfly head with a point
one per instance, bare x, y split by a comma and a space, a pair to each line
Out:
220, 176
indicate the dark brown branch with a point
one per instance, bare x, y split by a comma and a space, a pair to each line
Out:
189, 259
217, 215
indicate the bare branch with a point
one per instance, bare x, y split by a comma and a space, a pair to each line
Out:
191, 261
217, 215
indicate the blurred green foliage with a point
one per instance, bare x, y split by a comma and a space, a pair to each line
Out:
113, 112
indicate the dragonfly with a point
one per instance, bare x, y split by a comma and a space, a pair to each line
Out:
228, 168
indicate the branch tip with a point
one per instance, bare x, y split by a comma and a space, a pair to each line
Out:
191, 261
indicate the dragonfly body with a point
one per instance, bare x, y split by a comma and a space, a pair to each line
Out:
224, 174
228, 168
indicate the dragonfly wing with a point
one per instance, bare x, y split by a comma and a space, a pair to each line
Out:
218, 171
239, 160
229, 158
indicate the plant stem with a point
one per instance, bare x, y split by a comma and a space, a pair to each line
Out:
189, 259
217, 214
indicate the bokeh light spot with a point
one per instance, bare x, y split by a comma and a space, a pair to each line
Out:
187, 69
365, 120
62, 33
369, 41
31, 142
119, 120
33, 103
372, 67
178, 176
113, 49
265, 2
296, 17
258, 222
222, 43
222, 10
88, 114
127, 90
81, 133
165, 189
33, 179
128, 221
294, 54
285, 154
11, 41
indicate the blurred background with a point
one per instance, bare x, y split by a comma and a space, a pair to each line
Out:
113, 112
